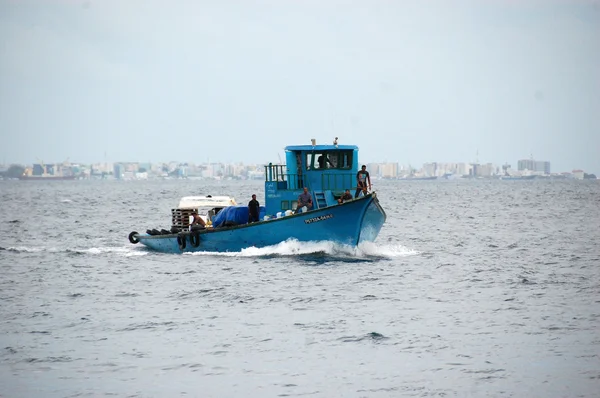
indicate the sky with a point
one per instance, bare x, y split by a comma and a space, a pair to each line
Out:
408, 81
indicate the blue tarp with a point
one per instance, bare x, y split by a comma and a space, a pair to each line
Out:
234, 215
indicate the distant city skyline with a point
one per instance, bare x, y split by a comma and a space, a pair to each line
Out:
519, 164
408, 81
532, 165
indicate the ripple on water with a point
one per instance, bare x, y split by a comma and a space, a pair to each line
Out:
469, 283
372, 336
168, 325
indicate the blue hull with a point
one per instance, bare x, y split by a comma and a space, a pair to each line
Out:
517, 178
350, 223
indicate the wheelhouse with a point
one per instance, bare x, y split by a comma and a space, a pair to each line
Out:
326, 170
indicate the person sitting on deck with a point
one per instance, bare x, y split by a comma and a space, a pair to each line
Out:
304, 199
345, 197
197, 221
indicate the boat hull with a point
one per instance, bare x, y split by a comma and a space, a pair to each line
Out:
350, 223
517, 178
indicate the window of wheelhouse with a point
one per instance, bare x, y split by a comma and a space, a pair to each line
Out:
345, 159
311, 160
329, 160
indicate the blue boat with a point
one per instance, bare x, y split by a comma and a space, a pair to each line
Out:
325, 170
518, 178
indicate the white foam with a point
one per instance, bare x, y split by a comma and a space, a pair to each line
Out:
26, 249
293, 247
123, 251
386, 250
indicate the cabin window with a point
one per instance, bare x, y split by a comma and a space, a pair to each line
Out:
345, 159
285, 205
329, 160
322, 160
294, 204
311, 161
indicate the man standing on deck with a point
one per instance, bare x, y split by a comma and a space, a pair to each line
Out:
362, 177
253, 209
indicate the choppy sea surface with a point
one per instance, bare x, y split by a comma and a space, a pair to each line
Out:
473, 289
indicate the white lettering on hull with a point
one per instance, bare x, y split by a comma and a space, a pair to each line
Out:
317, 219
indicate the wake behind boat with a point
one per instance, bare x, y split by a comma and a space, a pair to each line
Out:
325, 170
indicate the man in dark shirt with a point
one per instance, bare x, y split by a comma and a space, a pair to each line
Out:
362, 177
324, 162
253, 209
345, 197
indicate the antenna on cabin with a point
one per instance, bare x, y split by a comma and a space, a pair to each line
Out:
313, 141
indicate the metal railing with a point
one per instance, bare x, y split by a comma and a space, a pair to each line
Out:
287, 181
275, 172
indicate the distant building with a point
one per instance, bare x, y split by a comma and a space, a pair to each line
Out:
430, 169
463, 169
374, 169
578, 174
118, 171
256, 175
481, 170
389, 170
485, 170
534, 165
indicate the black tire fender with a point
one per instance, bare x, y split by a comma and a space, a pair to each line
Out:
133, 237
195, 240
181, 241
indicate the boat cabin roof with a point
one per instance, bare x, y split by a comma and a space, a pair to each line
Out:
194, 202
320, 147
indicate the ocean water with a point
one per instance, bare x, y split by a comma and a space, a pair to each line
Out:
473, 289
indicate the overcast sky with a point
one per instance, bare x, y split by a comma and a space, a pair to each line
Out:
407, 81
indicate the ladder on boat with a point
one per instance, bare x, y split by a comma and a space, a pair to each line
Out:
320, 199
